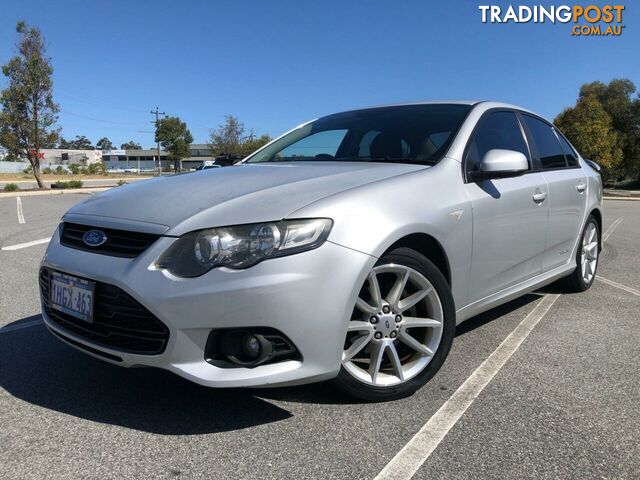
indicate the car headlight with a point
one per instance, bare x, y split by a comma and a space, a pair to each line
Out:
242, 246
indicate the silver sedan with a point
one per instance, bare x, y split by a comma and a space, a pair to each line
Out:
347, 249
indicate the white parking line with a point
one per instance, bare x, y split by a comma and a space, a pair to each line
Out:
607, 234
19, 207
408, 460
618, 285
18, 246
20, 326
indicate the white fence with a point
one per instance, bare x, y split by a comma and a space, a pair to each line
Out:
13, 167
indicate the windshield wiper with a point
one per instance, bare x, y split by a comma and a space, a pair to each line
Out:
389, 160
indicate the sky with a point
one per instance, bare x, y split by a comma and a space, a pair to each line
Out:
277, 64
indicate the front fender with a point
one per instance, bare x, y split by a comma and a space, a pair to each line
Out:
432, 201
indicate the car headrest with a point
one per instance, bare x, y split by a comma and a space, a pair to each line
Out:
386, 145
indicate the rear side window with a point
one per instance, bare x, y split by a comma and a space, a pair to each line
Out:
547, 144
496, 130
569, 152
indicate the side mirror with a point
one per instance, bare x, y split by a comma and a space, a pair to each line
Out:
593, 165
498, 163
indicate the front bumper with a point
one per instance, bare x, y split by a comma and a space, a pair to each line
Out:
308, 297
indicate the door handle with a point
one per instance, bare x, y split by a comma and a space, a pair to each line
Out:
539, 197
581, 187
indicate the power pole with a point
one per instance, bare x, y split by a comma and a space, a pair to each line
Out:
157, 114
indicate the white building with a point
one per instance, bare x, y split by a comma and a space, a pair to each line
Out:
51, 157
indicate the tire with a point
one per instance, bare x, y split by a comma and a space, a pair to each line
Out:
578, 281
418, 356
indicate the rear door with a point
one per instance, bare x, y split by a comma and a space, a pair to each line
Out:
567, 185
509, 214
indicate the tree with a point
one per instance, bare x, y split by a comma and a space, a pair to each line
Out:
62, 143
616, 98
590, 129
81, 143
623, 111
230, 139
104, 144
130, 145
253, 143
227, 138
29, 114
175, 138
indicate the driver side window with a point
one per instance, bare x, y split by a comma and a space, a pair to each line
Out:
496, 130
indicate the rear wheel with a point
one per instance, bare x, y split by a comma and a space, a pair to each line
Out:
400, 331
586, 259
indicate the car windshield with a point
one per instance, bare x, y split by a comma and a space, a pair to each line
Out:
401, 134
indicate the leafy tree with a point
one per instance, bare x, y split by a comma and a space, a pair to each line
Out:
29, 114
11, 158
230, 139
131, 145
63, 143
175, 138
253, 143
104, 144
616, 98
227, 138
590, 128
81, 143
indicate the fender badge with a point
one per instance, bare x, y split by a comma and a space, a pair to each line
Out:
457, 214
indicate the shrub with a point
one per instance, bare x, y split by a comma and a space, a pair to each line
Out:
10, 187
28, 170
96, 169
47, 171
67, 184
60, 170
121, 182
75, 168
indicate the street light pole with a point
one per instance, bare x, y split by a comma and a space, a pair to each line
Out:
157, 114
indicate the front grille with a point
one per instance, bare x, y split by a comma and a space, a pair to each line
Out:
119, 321
120, 243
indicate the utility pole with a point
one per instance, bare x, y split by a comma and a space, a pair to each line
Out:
157, 114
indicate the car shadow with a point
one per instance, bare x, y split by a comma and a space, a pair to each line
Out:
39, 369
495, 313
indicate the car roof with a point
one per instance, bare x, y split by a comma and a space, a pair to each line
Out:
486, 104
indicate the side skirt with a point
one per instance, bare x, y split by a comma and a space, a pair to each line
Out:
513, 292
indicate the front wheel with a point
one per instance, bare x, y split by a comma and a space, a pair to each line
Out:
401, 329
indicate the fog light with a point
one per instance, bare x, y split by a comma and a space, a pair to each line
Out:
251, 346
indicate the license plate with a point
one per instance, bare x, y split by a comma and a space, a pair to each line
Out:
71, 295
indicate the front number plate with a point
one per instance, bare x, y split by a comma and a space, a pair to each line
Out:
71, 295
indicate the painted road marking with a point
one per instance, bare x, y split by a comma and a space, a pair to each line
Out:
607, 234
618, 285
20, 326
19, 246
19, 207
408, 460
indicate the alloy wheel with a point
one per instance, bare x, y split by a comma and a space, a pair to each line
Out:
396, 327
589, 256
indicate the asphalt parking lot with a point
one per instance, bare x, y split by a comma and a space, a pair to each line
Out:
565, 404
